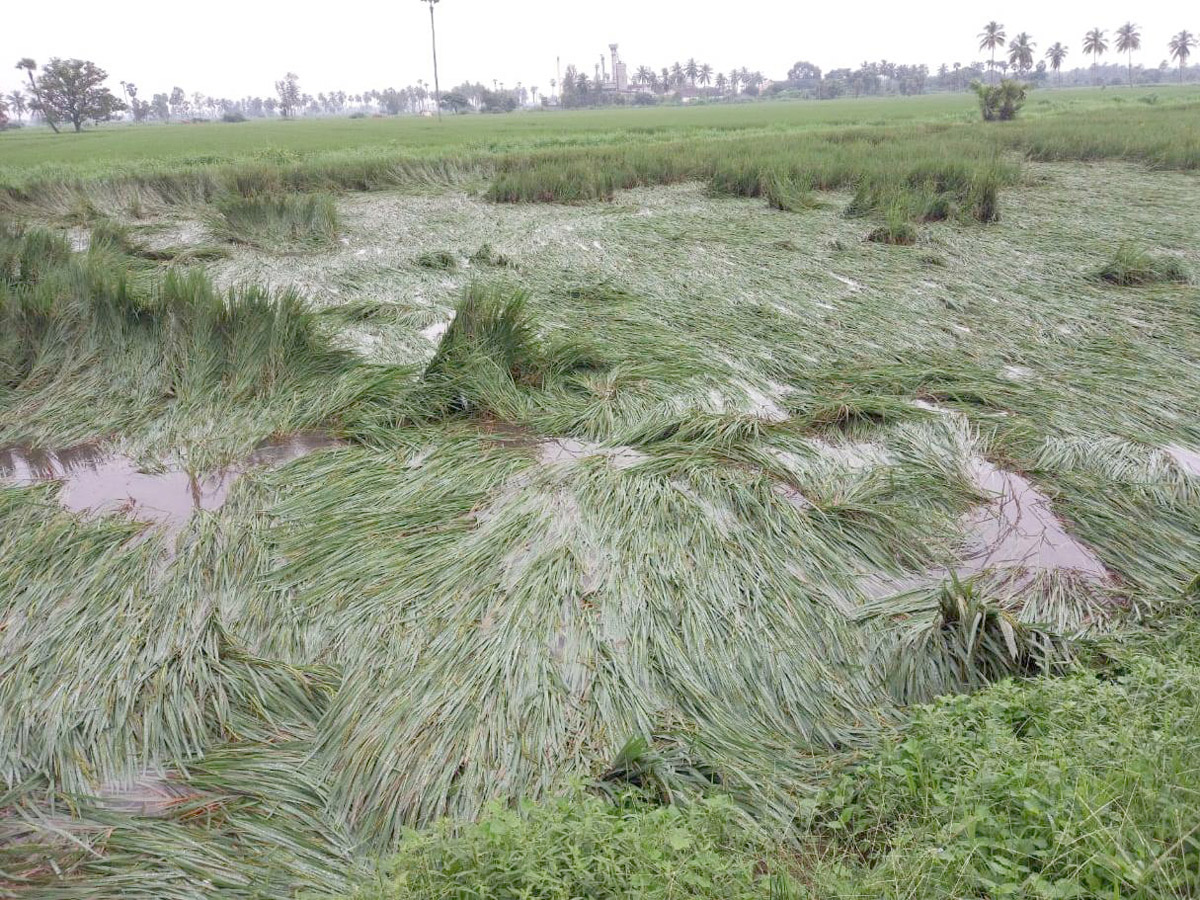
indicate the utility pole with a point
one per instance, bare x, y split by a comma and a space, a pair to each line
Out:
437, 90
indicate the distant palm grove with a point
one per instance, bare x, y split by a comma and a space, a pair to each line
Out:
71, 93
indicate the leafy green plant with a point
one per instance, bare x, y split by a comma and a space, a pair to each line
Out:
580, 846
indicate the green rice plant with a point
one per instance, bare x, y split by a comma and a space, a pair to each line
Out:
278, 221
486, 255
895, 230
438, 260
968, 644
1133, 266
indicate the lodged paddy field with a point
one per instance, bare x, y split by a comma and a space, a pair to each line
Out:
788, 500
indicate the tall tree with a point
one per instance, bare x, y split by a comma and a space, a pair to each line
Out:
705, 76
73, 90
30, 66
1181, 48
1020, 52
1094, 44
691, 70
288, 89
1056, 54
990, 38
642, 75
16, 100
433, 36
722, 82
1128, 40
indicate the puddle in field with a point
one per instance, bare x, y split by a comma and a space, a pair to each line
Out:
1185, 457
567, 450
96, 481
147, 794
1016, 531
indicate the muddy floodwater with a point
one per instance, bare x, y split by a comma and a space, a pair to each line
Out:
1018, 529
95, 481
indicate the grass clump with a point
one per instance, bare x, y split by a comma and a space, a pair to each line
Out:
486, 255
438, 260
895, 230
585, 847
1134, 266
278, 221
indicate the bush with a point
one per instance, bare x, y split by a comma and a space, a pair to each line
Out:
645, 100
1000, 102
1082, 786
233, 116
584, 847
1133, 266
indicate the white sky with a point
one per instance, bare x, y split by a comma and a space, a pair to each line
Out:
233, 49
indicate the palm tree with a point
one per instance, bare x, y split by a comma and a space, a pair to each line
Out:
1020, 52
665, 79
677, 74
691, 70
1095, 44
1128, 40
734, 80
437, 90
705, 76
642, 75
17, 100
990, 38
1056, 54
722, 82
1181, 48
29, 66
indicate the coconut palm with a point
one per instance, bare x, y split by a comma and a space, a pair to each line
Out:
1095, 44
990, 38
705, 76
722, 82
642, 75
1128, 40
30, 66
677, 74
17, 101
437, 91
735, 79
691, 70
1056, 54
1020, 52
1181, 48
665, 79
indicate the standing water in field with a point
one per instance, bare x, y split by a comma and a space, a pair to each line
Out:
96, 481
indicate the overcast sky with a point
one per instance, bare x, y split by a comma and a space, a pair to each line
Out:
231, 49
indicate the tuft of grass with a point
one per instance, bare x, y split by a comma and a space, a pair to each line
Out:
487, 256
278, 221
1134, 266
438, 260
896, 230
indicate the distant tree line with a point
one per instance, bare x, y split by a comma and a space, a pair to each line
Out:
70, 93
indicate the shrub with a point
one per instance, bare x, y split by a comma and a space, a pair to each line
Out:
1081, 786
896, 229
233, 116
1133, 266
1000, 102
585, 847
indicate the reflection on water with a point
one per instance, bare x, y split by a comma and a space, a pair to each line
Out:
97, 482
1018, 529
